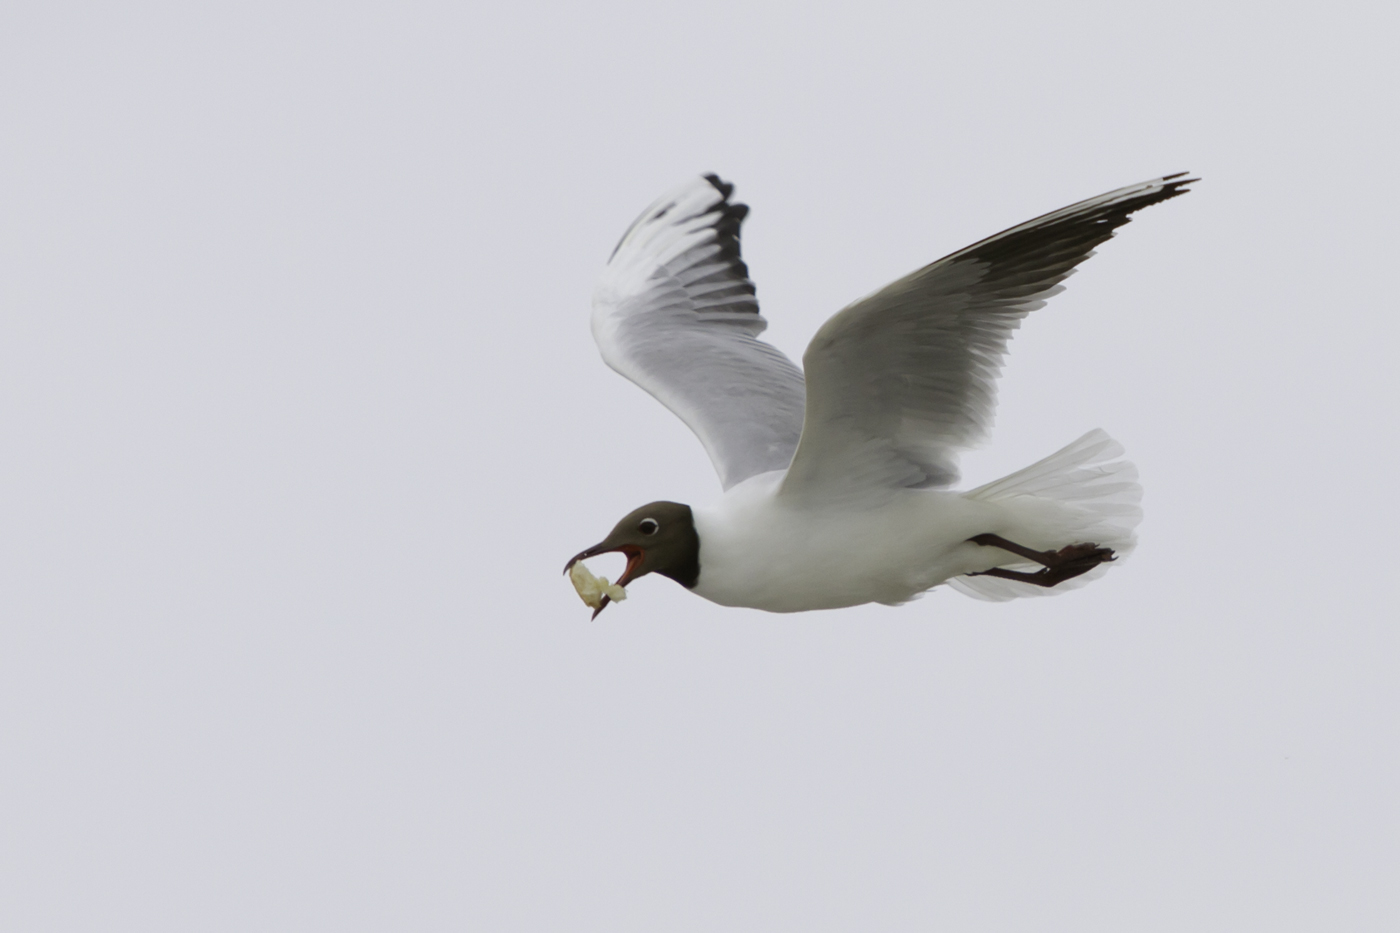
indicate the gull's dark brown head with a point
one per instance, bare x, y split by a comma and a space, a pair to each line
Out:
657, 538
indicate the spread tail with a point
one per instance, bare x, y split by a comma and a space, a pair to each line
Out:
1085, 492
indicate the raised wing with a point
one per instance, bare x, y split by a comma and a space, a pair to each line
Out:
675, 312
901, 380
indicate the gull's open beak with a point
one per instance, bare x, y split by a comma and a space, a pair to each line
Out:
634, 560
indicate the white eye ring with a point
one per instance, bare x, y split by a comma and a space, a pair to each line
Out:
648, 526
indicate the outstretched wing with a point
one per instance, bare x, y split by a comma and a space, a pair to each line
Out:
675, 312
901, 380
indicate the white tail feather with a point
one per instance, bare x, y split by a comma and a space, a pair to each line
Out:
1098, 495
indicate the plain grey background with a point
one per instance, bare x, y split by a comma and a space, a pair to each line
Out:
301, 418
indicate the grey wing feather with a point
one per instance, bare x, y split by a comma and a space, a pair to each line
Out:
901, 380
676, 313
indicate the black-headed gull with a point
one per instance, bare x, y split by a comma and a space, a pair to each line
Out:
836, 484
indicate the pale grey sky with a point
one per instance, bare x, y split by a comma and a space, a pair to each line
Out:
301, 418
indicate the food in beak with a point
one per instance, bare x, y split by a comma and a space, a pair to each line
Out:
594, 590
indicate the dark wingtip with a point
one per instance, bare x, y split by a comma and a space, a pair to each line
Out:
1175, 183
1167, 187
723, 187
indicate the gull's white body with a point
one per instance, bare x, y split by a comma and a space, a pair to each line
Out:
838, 475
759, 550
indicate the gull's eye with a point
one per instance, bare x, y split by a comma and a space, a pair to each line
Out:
648, 526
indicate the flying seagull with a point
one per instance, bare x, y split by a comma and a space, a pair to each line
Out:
837, 479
